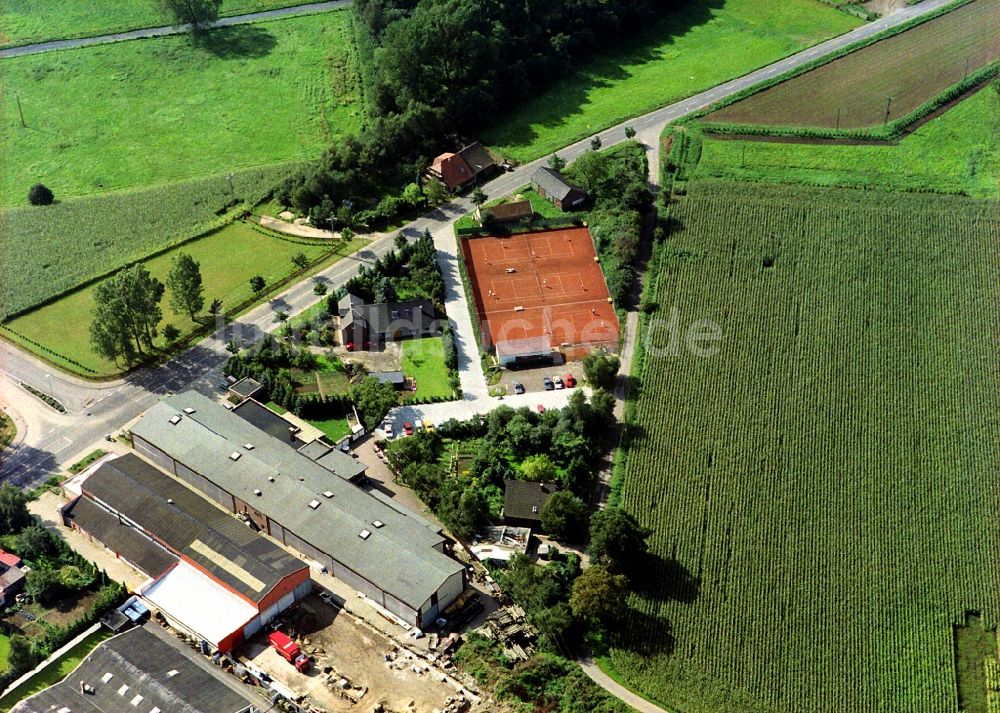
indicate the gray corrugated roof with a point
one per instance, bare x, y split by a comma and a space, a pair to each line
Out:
140, 491
148, 556
384, 317
399, 557
553, 182
476, 155
140, 660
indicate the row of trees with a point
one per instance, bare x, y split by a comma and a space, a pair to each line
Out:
127, 312
409, 271
436, 69
617, 181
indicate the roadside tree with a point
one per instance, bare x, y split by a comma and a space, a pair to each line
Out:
597, 596
617, 540
14, 515
601, 370
257, 284
199, 14
126, 314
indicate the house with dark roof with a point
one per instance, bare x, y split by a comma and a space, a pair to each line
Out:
12, 577
378, 547
144, 672
553, 187
210, 574
523, 501
370, 326
480, 160
513, 212
452, 170
458, 170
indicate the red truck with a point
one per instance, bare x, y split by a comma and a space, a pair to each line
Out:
289, 651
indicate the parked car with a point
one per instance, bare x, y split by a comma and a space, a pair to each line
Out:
558, 382
541, 409
547, 384
387, 430
570, 381
418, 425
428, 426
518, 388
407, 428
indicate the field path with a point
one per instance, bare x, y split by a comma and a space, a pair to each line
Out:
619, 691
165, 30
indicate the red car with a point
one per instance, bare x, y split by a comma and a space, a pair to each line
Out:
541, 409
569, 380
407, 428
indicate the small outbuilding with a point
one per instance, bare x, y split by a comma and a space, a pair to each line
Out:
514, 212
557, 190
12, 577
530, 350
523, 501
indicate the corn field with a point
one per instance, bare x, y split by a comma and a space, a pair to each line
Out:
50, 250
823, 489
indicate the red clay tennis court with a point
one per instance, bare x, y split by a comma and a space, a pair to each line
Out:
544, 284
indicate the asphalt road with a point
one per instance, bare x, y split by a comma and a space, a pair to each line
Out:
170, 29
96, 409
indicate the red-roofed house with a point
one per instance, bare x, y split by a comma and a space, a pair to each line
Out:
453, 171
11, 577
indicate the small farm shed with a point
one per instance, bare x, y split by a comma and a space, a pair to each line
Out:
553, 187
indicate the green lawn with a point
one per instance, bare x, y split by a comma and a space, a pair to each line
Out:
423, 361
29, 21
55, 671
692, 49
4, 652
333, 428
228, 258
957, 152
138, 113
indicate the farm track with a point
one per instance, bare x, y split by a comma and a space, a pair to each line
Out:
166, 30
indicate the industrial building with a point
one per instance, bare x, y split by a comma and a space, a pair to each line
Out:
378, 547
138, 671
210, 575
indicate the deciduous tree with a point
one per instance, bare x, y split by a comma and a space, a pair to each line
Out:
40, 194
199, 14
126, 307
598, 596
617, 540
184, 282
564, 517
14, 515
601, 370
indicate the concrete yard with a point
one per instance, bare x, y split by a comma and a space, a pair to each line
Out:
343, 648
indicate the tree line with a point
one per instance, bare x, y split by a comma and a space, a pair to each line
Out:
438, 70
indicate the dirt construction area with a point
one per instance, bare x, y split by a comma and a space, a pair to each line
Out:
350, 669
